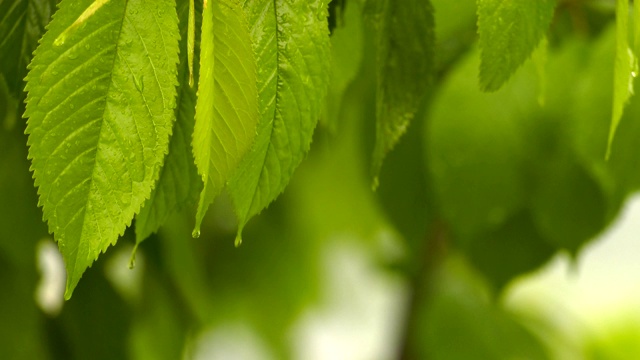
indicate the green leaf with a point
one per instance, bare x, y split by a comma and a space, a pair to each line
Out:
475, 153
292, 45
227, 108
512, 250
22, 23
346, 59
101, 94
509, 32
625, 68
406, 48
179, 183
570, 205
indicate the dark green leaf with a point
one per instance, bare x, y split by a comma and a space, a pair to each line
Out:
406, 48
22, 23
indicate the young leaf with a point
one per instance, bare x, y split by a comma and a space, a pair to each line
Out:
227, 106
406, 43
22, 23
291, 43
509, 32
101, 93
179, 183
625, 67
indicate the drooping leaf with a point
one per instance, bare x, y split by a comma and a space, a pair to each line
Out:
292, 47
227, 107
625, 68
22, 23
509, 32
346, 58
101, 94
406, 48
179, 183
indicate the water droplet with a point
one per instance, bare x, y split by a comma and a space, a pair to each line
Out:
72, 56
196, 233
72, 106
238, 241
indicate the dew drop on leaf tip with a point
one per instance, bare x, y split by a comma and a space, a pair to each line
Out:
196, 233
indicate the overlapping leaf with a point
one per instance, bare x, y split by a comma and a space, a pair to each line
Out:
227, 106
509, 32
22, 23
179, 183
101, 94
406, 43
292, 47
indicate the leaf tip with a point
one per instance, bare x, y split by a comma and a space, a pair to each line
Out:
132, 259
196, 232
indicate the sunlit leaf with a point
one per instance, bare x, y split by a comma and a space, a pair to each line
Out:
101, 98
292, 47
227, 107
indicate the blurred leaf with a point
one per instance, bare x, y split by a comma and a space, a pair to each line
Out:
626, 66
406, 48
461, 322
509, 32
476, 153
512, 250
346, 58
22, 23
569, 206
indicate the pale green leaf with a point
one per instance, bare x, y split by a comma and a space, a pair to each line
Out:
227, 106
406, 47
179, 183
625, 68
22, 23
101, 94
509, 32
291, 41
